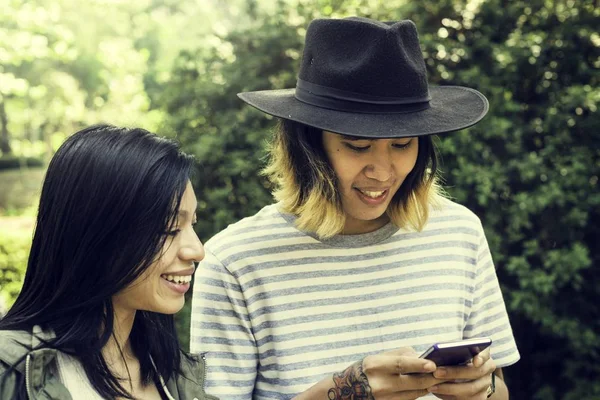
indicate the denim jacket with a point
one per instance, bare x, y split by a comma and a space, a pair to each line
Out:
40, 369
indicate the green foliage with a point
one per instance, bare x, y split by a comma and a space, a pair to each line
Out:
14, 251
64, 65
12, 162
529, 170
20, 191
227, 138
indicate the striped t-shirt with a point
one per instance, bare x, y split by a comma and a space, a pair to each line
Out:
275, 310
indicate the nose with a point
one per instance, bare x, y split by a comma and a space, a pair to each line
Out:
380, 167
192, 249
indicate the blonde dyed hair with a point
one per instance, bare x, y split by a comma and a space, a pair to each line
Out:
306, 185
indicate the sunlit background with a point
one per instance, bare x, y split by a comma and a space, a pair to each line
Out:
529, 170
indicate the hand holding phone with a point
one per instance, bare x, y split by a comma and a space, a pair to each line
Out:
456, 353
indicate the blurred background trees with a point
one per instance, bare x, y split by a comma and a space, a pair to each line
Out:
529, 169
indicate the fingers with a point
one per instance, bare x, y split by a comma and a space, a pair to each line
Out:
397, 364
402, 383
401, 375
473, 390
466, 372
417, 381
408, 395
481, 358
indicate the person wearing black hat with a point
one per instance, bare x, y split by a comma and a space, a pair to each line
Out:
362, 263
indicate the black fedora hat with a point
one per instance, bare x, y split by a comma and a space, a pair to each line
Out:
367, 78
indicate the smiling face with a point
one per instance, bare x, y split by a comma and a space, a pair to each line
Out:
161, 287
369, 173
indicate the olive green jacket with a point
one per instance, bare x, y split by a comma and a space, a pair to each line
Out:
40, 369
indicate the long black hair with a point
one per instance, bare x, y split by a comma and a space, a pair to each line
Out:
108, 198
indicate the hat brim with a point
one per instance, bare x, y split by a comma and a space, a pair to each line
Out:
452, 108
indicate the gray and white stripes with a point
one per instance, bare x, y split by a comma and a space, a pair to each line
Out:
275, 310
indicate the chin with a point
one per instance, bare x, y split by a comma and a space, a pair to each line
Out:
173, 308
372, 216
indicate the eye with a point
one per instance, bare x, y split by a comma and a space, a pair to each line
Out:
174, 232
401, 146
357, 148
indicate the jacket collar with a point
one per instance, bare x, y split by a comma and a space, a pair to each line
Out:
16, 345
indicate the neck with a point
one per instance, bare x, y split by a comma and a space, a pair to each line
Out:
119, 345
356, 227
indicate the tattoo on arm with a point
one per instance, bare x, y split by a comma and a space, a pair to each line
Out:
351, 384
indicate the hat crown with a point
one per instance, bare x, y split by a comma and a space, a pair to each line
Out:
363, 56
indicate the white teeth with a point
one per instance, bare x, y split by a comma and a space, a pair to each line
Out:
178, 278
373, 195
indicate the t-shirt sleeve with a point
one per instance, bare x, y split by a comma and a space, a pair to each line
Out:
221, 332
488, 316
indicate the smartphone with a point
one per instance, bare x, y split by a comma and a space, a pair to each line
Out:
456, 353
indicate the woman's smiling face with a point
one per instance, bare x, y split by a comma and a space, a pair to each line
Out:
369, 173
161, 287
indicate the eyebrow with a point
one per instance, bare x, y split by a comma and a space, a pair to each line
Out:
355, 138
185, 213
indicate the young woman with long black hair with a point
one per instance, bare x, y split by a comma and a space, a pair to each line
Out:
112, 256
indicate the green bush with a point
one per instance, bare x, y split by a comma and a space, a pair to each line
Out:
14, 251
20, 190
11, 162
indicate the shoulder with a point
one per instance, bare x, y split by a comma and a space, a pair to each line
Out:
192, 364
267, 221
266, 217
15, 346
448, 211
191, 382
10, 336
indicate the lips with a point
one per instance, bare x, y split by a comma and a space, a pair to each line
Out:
180, 278
373, 193
372, 198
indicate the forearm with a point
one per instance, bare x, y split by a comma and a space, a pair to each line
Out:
352, 381
318, 391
